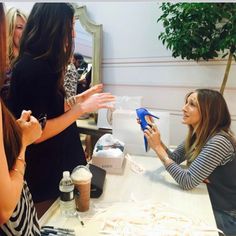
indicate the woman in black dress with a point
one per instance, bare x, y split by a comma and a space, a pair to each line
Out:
37, 84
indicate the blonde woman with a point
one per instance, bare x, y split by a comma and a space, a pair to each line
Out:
16, 21
210, 151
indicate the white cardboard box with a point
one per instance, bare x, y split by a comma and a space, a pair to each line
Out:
112, 165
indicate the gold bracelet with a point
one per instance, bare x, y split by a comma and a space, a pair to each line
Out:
18, 171
165, 159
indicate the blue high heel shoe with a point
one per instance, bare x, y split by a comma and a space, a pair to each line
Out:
142, 113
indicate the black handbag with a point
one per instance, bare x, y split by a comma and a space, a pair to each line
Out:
97, 181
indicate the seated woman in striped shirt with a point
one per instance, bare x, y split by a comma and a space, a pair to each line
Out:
210, 152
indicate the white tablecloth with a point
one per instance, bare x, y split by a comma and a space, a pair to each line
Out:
155, 185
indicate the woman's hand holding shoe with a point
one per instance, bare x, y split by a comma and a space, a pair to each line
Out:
153, 136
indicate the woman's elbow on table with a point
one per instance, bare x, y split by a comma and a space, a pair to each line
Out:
187, 186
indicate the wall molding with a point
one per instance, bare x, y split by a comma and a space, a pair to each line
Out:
160, 74
192, 87
162, 60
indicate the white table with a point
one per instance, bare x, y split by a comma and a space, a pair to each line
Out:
155, 185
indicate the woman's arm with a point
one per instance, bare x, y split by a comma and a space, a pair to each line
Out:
36, 89
87, 102
178, 155
11, 182
212, 155
166, 156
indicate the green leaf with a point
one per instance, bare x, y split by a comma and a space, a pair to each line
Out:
198, 30
195, 31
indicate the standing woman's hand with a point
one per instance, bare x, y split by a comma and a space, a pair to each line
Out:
86, 94
31, 129
82, 97
95, 102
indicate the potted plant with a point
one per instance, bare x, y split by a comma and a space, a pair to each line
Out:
200, 31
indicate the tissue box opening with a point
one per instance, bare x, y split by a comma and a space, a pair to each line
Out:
109, 154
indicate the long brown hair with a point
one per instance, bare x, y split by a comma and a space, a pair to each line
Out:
214, 118
11, 131
48, 35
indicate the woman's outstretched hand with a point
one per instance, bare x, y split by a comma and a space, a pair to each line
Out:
92, 99
31, 129
86, 94
97, 101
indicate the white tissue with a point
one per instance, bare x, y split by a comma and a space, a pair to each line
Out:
112, 152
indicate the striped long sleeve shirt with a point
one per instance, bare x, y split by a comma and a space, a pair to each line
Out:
217, 151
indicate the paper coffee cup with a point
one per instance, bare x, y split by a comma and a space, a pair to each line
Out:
81, 177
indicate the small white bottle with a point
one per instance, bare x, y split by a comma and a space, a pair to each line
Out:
67, 201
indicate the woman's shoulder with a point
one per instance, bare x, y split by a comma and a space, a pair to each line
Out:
29, 63
221, 137
224, 141
28, 66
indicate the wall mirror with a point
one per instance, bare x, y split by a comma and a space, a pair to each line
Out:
88, 42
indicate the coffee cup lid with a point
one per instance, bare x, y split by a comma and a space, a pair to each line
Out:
81, 173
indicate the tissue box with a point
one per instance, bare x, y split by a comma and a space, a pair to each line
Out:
109, 154
112, 165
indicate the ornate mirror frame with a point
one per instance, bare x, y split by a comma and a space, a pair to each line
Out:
96, 31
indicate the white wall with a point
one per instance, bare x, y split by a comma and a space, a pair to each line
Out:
136, 63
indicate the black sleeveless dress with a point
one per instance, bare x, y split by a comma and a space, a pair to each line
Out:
34, 87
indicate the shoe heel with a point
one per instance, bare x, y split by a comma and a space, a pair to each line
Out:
149, 114
147, 148
142, 113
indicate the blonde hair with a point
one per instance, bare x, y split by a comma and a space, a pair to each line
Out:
3, 47
214, 118
11, 17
